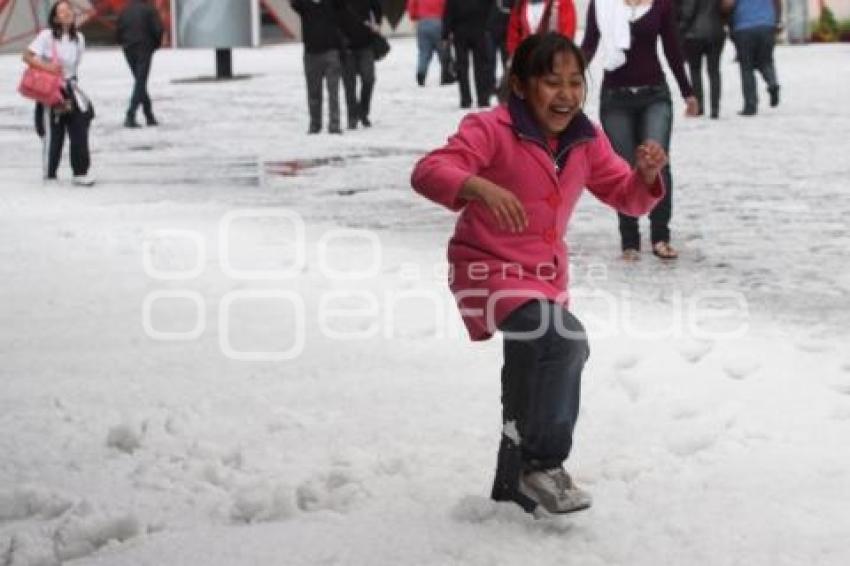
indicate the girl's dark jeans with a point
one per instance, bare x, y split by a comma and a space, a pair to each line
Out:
545, 349
629, 117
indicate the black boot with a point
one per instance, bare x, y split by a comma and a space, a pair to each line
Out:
774, 96
130, 122
509, 467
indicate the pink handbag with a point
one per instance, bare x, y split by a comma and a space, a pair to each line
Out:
43, 86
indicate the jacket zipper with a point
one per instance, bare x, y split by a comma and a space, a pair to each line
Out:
549, 151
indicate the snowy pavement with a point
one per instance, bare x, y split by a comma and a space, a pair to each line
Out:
139, 427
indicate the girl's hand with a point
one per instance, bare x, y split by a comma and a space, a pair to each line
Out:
650, 158
691, 106
505, 206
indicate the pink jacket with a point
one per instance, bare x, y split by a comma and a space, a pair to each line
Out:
419, 9
495, 271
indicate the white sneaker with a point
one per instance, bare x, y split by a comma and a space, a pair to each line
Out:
83, 180
554, 490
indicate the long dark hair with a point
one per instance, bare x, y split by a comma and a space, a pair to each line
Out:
535, 57
56, 27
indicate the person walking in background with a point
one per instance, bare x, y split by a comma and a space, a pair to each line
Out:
754, 27
360, 19
139, 32
499, 18
428, 17
322, 37
635, 103
465, 25
515, 174
59, 49
703, 35
536, 16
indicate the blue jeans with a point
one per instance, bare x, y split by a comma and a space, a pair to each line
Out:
428, 41
629, 118
755, 51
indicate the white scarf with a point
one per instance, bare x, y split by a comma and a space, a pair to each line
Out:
612, 17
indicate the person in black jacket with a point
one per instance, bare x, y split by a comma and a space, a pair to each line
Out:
322, 36
360, 19
465, 24
139, 32
701, 27
499, 17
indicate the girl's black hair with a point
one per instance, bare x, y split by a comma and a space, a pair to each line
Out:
535, 57
56, 27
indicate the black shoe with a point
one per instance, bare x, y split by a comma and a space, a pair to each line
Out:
151, 120
365, 121
334, 130
747, 112
715, 114
420, 79
352, 123
774, 96
466, 105
314, 130
130, 122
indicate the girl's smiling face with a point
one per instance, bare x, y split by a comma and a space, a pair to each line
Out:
555, 97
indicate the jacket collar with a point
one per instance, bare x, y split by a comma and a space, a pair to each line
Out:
519, 117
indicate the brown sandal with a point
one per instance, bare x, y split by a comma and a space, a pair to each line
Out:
664, 250
631, 255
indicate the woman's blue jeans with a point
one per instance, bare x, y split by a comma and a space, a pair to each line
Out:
630, 116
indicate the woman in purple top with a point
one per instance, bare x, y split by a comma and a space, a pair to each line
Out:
635, 103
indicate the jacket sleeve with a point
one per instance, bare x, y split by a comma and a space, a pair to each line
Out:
155, 26
612, 180
673, 49
376, 11
440, 175
590, 42
568, 19
686, 12
514, 37
448, 18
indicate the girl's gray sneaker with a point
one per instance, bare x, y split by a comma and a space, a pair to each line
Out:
554, 491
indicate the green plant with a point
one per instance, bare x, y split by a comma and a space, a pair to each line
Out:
826, 28
844, 30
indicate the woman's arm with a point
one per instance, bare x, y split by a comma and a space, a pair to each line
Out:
673, 49
590, 41
34, 60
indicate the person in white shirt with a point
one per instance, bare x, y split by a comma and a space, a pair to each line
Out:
59, 49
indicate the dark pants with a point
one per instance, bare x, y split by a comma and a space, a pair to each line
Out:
697, 50
629, 118
545, 350
480, 46
56, 125
139, 60
755, 52
358, 62
318, 68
